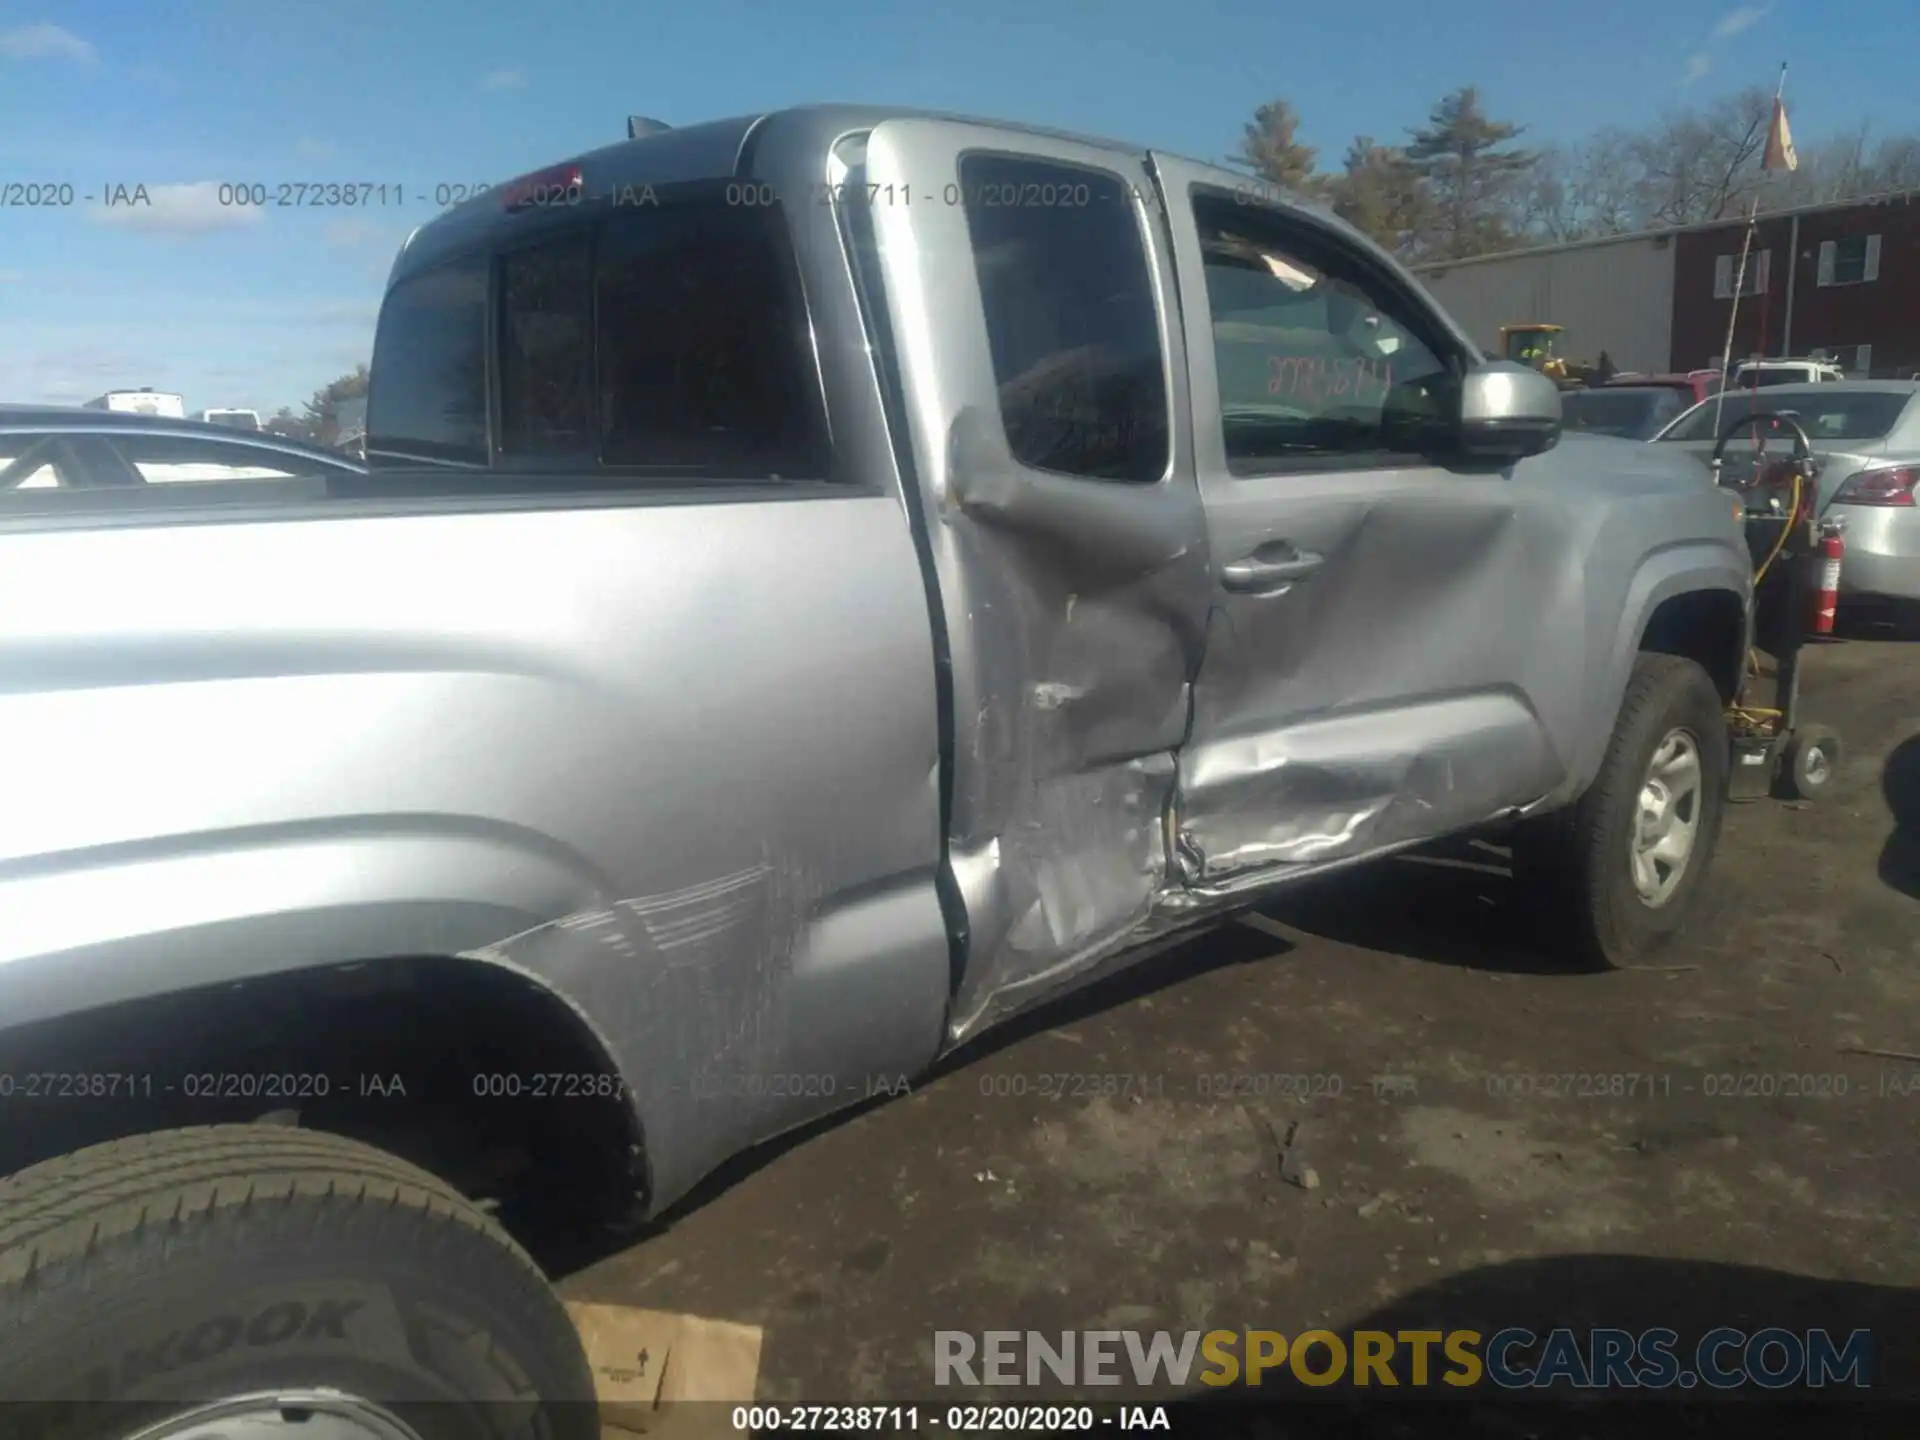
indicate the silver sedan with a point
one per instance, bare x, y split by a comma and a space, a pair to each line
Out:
1866, 442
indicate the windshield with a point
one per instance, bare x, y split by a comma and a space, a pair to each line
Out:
1834, 413
1633, 413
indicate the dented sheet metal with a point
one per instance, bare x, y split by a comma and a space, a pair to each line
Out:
1330, 789
1082, 628
1385, 698
1074, 607
690, 986
1074, 880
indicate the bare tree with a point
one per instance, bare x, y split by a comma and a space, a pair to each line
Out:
1577, 192
1703, 164
1895, 165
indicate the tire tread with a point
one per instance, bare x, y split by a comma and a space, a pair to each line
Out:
1568, 853
71, 1206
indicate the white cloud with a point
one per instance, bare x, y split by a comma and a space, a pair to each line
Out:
1698, 64
309, 148
178, 210
45, 42
503, 80
1744, 18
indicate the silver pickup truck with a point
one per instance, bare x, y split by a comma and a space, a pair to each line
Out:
824, 582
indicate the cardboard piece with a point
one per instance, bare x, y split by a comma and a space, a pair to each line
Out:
661, 1374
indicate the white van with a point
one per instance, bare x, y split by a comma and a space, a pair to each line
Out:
230, 419
1784, 372
144, 401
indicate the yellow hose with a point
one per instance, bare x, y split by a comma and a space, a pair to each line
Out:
1793, 516
1755, 715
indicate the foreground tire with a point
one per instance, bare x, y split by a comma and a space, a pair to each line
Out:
1619, 872
165, 1274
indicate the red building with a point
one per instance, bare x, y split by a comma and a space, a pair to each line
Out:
1838, 281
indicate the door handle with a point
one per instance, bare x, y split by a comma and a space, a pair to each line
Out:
1253, 573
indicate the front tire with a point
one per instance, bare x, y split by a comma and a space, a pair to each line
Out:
272, 1269
1621, 870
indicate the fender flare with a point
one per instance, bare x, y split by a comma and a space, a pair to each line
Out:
1677, 569
156, 919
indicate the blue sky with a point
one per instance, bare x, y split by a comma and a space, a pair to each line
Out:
243, 308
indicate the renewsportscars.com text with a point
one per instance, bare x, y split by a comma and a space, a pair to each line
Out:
1509, 1359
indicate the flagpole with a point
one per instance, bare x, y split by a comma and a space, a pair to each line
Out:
1740, 279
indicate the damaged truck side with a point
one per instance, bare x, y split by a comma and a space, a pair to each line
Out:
825, 581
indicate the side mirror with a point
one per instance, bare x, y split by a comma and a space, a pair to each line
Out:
1508, 412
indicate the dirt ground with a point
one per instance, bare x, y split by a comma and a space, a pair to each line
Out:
1755, 1163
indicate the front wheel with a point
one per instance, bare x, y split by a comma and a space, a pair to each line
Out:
1624, 866
260, 1280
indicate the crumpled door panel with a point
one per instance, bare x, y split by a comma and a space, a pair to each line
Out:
1385, 699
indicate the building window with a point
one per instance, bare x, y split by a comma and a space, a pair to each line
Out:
1726, 269
1853, 261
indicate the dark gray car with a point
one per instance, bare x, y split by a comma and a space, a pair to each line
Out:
1629, 412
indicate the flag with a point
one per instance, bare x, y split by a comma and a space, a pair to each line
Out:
1780, 154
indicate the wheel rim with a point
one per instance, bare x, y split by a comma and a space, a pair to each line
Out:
283, 1415
1666, 818
1815, 767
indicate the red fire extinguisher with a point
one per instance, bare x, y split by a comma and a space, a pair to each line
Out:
1826, 595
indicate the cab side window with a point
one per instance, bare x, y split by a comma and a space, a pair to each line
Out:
1071, 317
1318, 359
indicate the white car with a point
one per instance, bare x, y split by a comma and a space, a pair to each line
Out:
1865, 436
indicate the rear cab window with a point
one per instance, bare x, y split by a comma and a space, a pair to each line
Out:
667, 338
